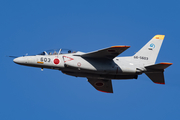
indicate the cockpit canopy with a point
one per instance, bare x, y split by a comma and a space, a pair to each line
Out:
57, 52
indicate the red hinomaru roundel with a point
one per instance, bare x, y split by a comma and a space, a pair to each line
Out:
56, 61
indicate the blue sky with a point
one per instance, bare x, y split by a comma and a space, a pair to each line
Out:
86, 25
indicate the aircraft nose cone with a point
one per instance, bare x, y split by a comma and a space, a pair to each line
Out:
20, 60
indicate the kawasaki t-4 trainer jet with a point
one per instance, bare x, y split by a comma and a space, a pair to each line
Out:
101, 66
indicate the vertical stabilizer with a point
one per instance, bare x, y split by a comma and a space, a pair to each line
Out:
147, 55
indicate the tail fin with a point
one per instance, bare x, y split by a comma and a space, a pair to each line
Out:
156, 72
148, 53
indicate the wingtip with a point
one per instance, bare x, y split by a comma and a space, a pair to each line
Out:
159, 83
105, 91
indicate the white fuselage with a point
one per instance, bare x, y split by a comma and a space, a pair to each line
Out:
103, 65
75, 65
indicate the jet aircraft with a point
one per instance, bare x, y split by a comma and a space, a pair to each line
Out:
101, 66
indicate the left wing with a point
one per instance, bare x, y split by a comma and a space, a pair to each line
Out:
103, 85
108, 53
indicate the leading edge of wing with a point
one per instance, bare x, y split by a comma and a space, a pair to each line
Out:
108, 53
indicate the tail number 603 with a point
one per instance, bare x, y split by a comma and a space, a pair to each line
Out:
45, 59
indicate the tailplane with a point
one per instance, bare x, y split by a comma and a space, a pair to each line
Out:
156, 72
157, 77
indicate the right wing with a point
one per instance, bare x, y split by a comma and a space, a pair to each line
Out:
103, 85
108, 53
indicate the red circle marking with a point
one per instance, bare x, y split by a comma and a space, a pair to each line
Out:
78, 64
56, 61
99, 84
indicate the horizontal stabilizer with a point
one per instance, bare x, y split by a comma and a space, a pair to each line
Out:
159, 66
157, 77
101, 85
156, 72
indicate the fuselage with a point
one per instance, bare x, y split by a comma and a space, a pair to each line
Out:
103, 65
75, 65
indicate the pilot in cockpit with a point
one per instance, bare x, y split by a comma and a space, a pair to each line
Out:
55, 53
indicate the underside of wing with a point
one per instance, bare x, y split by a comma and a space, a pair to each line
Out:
102, 85
108, 53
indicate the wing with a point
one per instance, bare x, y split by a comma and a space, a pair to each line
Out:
102, 85
108, 53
